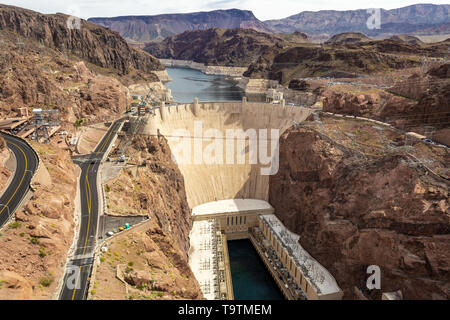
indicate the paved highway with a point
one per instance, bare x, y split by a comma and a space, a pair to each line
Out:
78, 272
26, 164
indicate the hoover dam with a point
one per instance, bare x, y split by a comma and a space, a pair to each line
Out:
193, 127
226, 152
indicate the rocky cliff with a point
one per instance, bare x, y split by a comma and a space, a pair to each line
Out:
90, 42
354, 203
34, 246
82, 72
156, 28
4, 156
38, 76
334, 60
411, 104
216, 47
152, 259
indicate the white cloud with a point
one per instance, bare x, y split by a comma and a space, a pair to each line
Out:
263, 9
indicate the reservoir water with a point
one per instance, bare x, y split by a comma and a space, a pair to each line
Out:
251, 279
187, 84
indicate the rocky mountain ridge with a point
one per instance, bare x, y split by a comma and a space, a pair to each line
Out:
417, 102
95, 44
158, 27
216, 47
347, 55
409, 19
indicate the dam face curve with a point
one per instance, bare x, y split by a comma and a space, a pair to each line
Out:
214, 145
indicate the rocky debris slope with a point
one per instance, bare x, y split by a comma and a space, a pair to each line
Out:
338, 60
348, 37
33, 76
34, 246
156, 28
356, 203
90, 42
347, 55
153, 258
4, 156
412, 104
408, 39
217, 47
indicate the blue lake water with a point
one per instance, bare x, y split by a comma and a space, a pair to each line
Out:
187, 84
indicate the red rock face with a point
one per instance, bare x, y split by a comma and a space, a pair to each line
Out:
92, 43
349, 216
4, 156
412, 104
233, 47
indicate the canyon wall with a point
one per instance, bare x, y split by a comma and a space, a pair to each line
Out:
5, 155
419, 103
151, 260
350, 214
93, 43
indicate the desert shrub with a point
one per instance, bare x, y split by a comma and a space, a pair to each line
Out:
46, 282
15, 225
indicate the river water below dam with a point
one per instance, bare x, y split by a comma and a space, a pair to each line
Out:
251, 279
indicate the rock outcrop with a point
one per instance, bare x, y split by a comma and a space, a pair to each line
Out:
216, 47
335, 60
38, 76
90, 42
34, 247
348, 37
155, 254
419, 101
4, 156
350, 215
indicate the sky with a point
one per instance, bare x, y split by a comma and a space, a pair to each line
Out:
263, 9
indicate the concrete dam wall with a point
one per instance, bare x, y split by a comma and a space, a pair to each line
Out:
214, 145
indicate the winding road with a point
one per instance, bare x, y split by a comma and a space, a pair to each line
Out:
26, 164
76, 279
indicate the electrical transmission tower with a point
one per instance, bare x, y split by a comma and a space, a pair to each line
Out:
43, 120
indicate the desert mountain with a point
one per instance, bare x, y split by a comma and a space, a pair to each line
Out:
408, 19
158, 27
408, 39
225, 47
82, 72
93, 43
348, 37
341, 57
